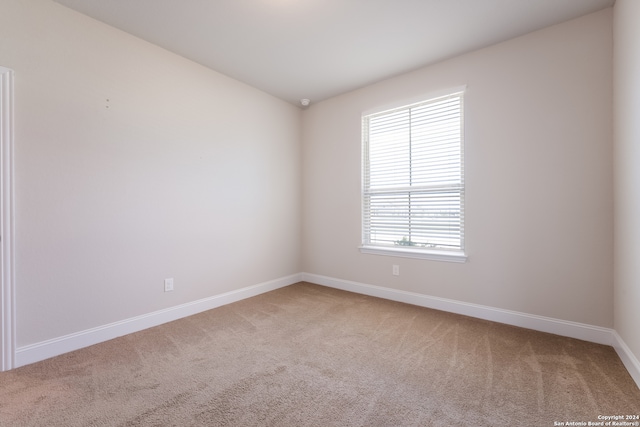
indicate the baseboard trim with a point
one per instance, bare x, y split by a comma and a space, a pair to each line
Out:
595, 334
46, 349
581, 331
627, 357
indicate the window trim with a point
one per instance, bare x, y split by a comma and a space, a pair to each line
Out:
430, 254
454, 255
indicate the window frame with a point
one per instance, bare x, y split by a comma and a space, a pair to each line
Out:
436, 254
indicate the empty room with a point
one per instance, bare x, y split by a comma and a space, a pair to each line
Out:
319, 212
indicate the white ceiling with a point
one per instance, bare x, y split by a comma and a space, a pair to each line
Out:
316, 49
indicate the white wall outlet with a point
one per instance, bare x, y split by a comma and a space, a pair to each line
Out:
395, 270
168, 284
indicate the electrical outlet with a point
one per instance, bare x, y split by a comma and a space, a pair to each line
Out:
168, 284
395, 270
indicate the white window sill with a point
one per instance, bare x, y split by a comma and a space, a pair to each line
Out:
435, 255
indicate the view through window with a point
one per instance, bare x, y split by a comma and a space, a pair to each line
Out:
413, 176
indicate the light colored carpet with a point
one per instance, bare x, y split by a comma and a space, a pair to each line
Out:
307, 355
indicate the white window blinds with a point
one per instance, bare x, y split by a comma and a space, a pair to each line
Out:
413, 176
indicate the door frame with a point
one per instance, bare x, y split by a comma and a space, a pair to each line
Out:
7, 223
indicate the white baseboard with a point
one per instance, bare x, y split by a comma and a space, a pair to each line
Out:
565, 328
54, 347
628, 358
50, 348
539, 323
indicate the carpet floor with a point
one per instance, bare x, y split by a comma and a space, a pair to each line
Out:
307, 355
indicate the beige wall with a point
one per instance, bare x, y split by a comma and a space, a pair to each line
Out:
133, 165
539, 205
627, 167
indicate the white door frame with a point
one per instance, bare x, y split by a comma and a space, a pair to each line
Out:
7, 221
